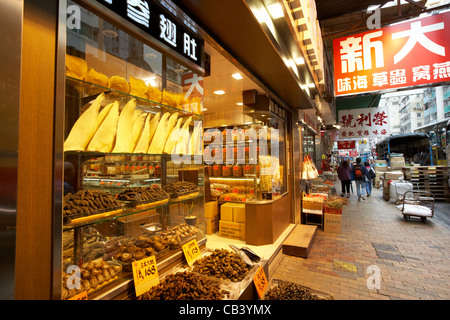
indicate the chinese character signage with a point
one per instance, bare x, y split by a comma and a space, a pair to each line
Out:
363, 123
348, 144
155, 20
411, 53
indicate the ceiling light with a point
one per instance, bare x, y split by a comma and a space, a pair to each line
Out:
110, 33
239, 103
219, 92
299, 61
275, 10
237, 76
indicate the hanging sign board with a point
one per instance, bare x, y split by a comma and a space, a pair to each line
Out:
348, 144
363, 123
159, 23
411, 53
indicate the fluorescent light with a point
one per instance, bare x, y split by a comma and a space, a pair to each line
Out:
239, 103
299, 61
275, 10
219, 92
237, 76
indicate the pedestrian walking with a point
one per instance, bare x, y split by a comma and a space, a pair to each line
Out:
360, 174
344, 174
369, 179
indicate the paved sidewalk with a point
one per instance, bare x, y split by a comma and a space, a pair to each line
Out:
413, 258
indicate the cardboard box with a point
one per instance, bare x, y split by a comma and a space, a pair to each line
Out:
212, 226
226, 212
239, 213
233, 230
211, 210
332, 223
397, 162
393, 175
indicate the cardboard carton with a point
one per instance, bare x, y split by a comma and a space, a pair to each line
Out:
226, 212
211, 209
233, 230
332, 223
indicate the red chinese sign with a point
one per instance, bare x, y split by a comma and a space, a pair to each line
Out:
411, 53
363, 123
346, 144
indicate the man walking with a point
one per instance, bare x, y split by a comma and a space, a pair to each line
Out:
360, 173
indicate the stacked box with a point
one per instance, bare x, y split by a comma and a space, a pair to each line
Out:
212, 217
232, 220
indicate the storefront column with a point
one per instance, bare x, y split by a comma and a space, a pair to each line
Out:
33, 272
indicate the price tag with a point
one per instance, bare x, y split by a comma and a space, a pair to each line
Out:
145, 274
81, 296
260, 281
191, 251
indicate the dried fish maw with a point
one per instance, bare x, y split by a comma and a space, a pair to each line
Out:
183, 138
138, 87
84, 128
119, 84
142, 144
103, 113
154, 94
153, 125
157, 143
98, 78
173, 138
103, 139
76, 67
137, 130
168, 98
125, 128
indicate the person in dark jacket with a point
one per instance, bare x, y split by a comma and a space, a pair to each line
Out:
361, 174
370, 176
344, 174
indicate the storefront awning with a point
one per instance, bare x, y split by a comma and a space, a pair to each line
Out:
357, 102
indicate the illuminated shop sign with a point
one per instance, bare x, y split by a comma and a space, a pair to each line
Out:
160, 24
410, 53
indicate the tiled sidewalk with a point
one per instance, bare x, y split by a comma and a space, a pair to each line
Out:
413, 258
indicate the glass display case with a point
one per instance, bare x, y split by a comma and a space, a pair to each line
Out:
133, 185
246, 162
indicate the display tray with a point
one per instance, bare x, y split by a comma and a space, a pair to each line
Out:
274, 282
185, 196
237, 286
159, 256
145, 205
117, 276
232, 293
82, 219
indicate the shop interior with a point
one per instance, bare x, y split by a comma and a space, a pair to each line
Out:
131, 196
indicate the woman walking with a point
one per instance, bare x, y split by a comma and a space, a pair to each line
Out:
344, 174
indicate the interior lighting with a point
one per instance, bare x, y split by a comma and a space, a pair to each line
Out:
219, 92
151, 82
299, 61
275, 10
239, 104
237, 76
